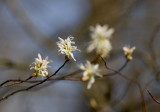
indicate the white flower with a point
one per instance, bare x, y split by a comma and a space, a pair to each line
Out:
90, 71
66, 47
128, 51
100, 42
40, 66
101, 31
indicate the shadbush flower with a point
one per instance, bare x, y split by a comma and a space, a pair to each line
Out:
40, 66
90, 71
101, 31
128, 51
66, 48
100, 40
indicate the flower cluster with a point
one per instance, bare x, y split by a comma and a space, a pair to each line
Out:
100, 40
66, 47
128, 51
90, 71
40, 66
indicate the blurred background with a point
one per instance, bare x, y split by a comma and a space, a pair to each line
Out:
29, 27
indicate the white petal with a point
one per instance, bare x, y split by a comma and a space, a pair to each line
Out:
82, 66
85, 73
72, 56
39, 56
97, 74
91, 81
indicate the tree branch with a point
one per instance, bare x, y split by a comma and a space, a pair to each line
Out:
153, 97
30, 87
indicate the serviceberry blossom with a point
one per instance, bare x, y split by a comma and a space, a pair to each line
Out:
128, 51
66, 48
90, 71
100, 39
40, 66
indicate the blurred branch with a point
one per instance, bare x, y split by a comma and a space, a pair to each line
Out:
151, 46
12, 64
120, 69
132, 80
116, 102
22, 16
118, 11
149, 82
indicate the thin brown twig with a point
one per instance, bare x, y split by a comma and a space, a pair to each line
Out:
17, 82
35, 85
120, 69
7, 81
51, 79
118, 72
153, 97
